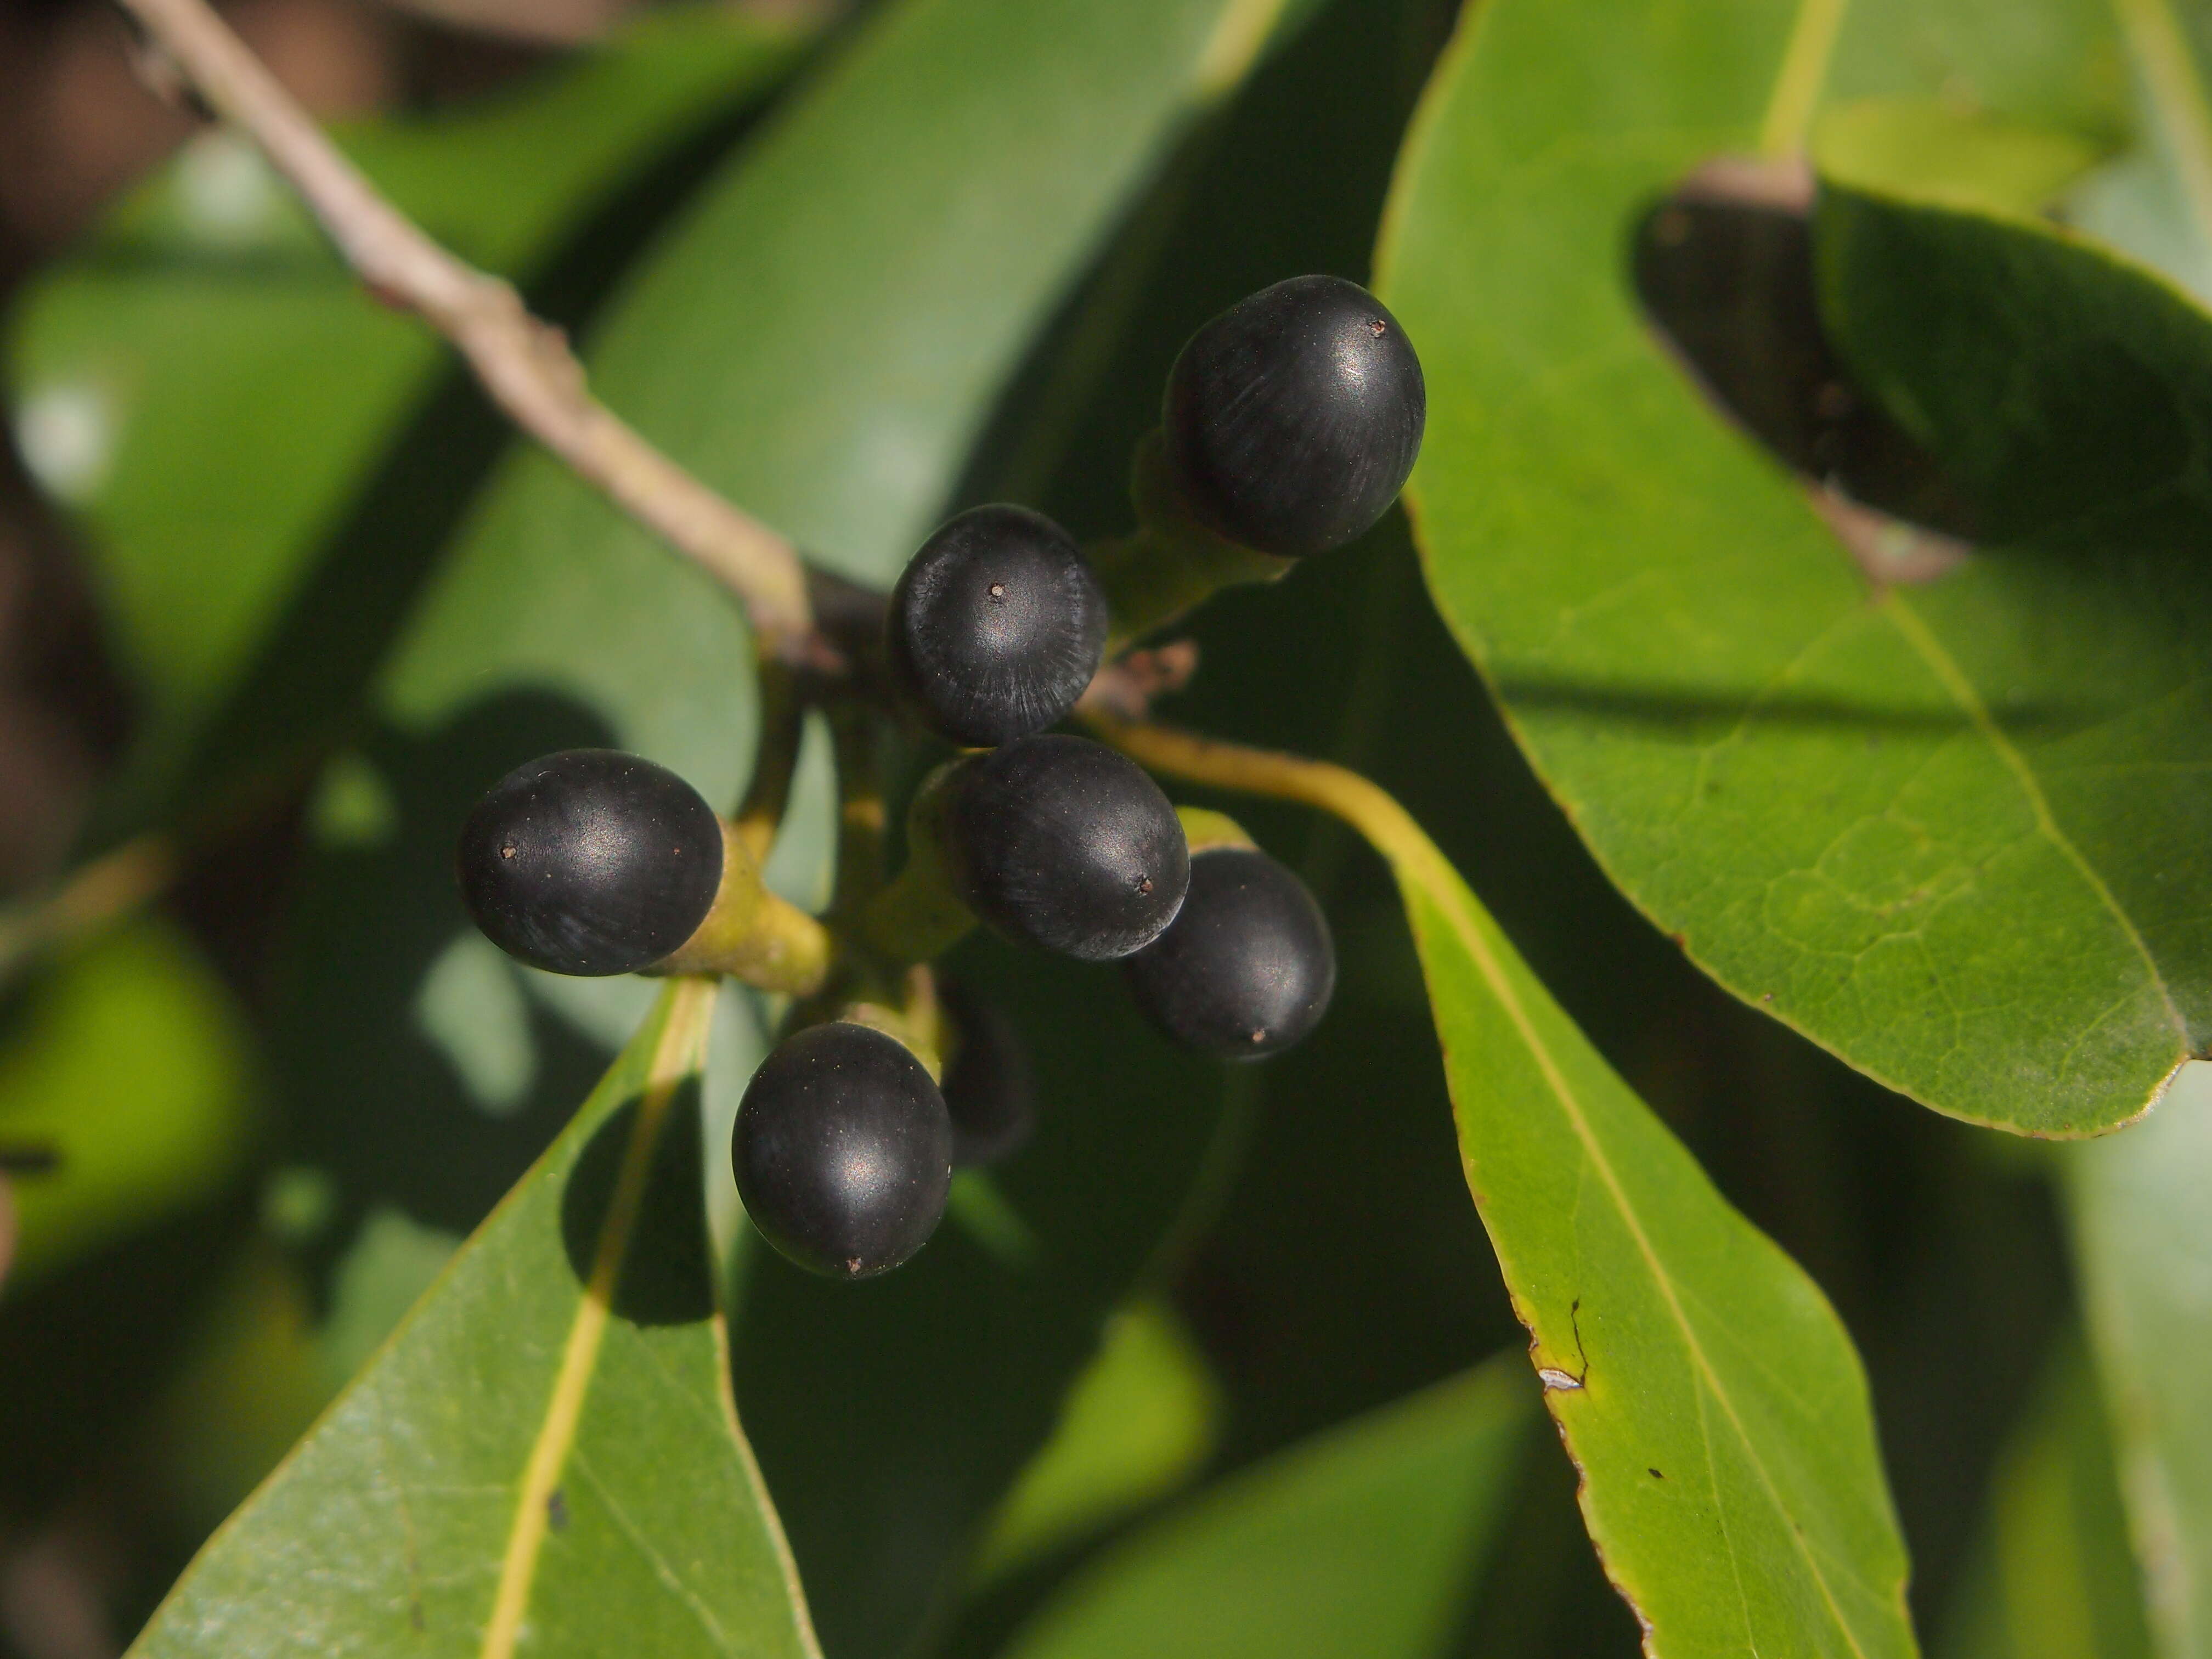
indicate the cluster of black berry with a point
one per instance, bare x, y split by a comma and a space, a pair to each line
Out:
1289, 424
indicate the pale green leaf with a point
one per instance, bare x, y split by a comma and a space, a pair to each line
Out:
1366, 1540
2052, 1577
2142, 1234
1140, 1420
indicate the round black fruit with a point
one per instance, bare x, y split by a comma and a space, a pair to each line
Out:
843, 1150
988, 1088
590, 861
1293, 417
1249, 966
996, 626
1061, 842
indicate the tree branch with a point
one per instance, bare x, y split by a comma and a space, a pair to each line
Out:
524, 363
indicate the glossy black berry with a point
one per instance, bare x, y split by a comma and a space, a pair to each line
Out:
995, 627
1249, 966
1292, 418
843, 1150
1061, 842
590, 861
988, 1088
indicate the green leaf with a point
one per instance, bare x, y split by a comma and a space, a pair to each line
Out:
1703, 1386
2142, 1237
2059, 385
1965, 157
823, 335
130, 1063
210, 389
1365, 1539
1705, 1390
1841, 800
544, 1456
1142, 1418
2052, 1579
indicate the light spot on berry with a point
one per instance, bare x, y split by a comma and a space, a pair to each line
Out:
1144, 883
1377, 327
507, 852
998, 590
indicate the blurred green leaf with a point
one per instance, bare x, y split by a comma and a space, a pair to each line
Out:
544, 1454
209, 388
130, 1061
2053, 1578
1841, 801
2143, 1235
1365, 1540
1140, 1420
1942, 151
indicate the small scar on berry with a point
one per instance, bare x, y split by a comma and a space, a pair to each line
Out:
1247, 966
1060, 843
590, 861
1292, 421
995, 628
843, 1150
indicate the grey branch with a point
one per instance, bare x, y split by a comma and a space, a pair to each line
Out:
524, 363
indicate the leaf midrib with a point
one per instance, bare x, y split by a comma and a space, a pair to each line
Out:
676, 1056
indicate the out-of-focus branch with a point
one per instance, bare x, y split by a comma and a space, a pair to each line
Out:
524, 363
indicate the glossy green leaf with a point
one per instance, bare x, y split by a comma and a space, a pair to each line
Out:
211, 391
130, 1062
1841, 801
2062, 388
2143, 1235
1363, 1540
875, 262
1704, 1388
544, 1458
2052, 1577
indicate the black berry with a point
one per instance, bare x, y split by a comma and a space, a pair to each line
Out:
1249, 966
996, 626
590, 861
988, 1088
1293, 417
843, 1151
1061, 842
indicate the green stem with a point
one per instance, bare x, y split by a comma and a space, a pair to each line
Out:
1171, 564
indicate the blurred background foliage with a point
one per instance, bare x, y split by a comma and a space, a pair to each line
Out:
269, 568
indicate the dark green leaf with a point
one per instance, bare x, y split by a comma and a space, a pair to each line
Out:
544, 1457
1841, 799
1366, 1539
